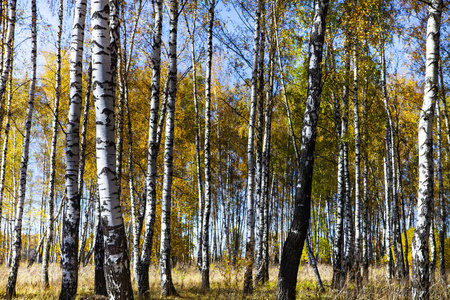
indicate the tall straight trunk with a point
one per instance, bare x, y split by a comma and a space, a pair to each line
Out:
292, 249
388, 183
259, 141
250, 239
433, 255
84, 232
17, 234
197, 141
167, 288
84, 126
442, 219
207, 153
349, 229
8, 55
420, 254
341, 132
150, 211
69, 259
358, 242
99, 255
51, 187
117, 267
420, 280
262, 275
365, 201
5, 142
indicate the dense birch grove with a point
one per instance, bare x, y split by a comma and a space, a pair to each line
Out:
144, 141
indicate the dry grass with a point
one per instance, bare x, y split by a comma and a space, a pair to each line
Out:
226, 283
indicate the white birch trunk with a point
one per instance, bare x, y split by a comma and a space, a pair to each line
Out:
167, 288
17, 234
5, 144
290, 260
117, 267
51, 187
358, 230
207, 153
8, 55
420, 255
249, 244
442, 217
72, 211
153, 146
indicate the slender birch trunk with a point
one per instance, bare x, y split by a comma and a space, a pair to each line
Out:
51, 188
420, 270
71, 222
197, 141
207, 153
442, 225
262, 275
259, 141
17, 234
5, 142
358, 242
250, 239
153, 146
167, 287
84, 126
117, 267
287, 277
8, 55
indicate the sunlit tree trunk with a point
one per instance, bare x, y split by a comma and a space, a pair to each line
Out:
442, 225
358, 229
250, 239
8, 55
262, 275
207, 153
17, 234
55, 125
420, 271
292, 249
5, 141
117, 267
150, 211
71, 221
167, 288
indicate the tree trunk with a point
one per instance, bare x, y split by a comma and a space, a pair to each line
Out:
420, 271
8, 56
5, 141
292, 249
71, 222
17, 237
442, 219
55, 125
117, 267
249, 245
358, 231
207, 153
167, 288
150, 211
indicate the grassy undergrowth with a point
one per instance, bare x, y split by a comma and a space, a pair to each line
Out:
226, 283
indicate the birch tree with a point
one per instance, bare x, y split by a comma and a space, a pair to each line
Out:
250, 239
207, 152
71, 222
167, 288
17, 235
150, 211
117, 267
292, 248
420, 254
7, 62
55, 125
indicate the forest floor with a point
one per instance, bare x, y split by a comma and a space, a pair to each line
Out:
226, 283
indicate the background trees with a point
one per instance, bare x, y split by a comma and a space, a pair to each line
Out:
239, 81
